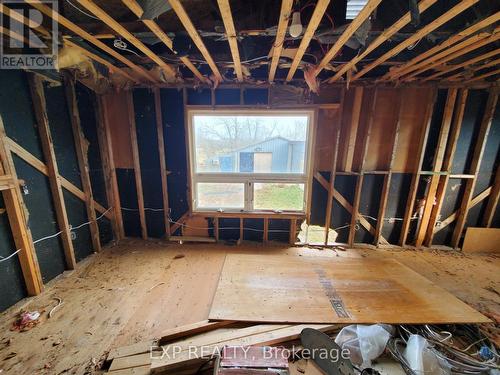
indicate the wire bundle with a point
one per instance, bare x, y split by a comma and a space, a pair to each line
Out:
463, 347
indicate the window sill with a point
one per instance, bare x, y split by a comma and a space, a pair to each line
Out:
251, 214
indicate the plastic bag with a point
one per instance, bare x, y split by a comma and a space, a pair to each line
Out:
422, 359
365, 343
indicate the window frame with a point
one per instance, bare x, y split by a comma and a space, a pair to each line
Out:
248, 179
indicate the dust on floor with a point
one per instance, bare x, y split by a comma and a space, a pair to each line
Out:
134, 291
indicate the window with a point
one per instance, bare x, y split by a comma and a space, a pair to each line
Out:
249, 160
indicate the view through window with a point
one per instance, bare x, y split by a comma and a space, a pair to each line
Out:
249, 161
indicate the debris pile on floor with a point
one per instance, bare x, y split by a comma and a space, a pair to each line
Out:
309, 349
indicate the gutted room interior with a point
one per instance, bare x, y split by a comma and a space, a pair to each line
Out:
240, 186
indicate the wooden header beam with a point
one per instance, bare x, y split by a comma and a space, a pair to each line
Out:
386, 34
195, 36
362, 16
316, 17
409, 66
227, 18
37, 4
123, 32
153, 26
453, 12
286, 8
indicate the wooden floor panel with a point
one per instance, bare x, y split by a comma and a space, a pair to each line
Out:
324, 290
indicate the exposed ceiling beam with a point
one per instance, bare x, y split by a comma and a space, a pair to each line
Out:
457, 9
13, 35
153, 26
485, 41
483, 76
227, 18
451, 68
412, 64
398, 25
437, 58
362, 16
91, 39
286, 8
316, 17
195, 36
100, 60
123, 32
20, 18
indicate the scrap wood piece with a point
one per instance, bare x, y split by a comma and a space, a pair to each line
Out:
273, 337
332, 290
191, 329
481, 240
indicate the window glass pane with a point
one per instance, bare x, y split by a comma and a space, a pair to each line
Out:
220, 195
250, 144
277, 196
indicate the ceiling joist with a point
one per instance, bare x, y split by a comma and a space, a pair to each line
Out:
37, 4
389, 32
113, 24
286, 8
316, 17
227, 18
453, 12
411, 65
195, 36
153, 26
465, 64
365, 13
483, 42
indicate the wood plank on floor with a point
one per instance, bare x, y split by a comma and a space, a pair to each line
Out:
482, 240
332, 290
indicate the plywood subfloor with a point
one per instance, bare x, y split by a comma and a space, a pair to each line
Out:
132, 292
324, 290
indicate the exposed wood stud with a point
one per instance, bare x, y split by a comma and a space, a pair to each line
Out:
316, 17
137, 165
447, 164
353, 129
333, 168
38, 165
81, 148
53, 14
386, 34
398, 108
14, 205
483, 76
216, 229
265, 236
355, 209
437, 165
411, 65
163, 160
473, 203
241, 230
108, 164
227, 18
456, 10
474, 167
193, 33
153, 26
492, 204
362, 16
39, 107
293, 232
418, 166
286, 8
123, 32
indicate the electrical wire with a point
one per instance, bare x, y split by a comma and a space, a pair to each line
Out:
121, 45
82, 11
71, 228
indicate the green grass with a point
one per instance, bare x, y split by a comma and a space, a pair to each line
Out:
278, 197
